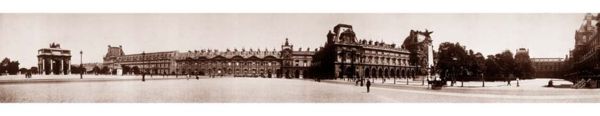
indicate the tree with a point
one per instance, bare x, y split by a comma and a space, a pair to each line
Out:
492, 66
2, 69
23, 70
75, 69
524, 68
136, 70
507, 63
479, 64
4, 66
13, 67
96, 70
105, 70
34, 70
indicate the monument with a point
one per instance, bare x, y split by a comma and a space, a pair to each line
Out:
54, 60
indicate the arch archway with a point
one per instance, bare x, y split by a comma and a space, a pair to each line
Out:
269, 73
297, 74
380, 73
392, 73
386, 73
373, 73
397, 73
367, 73
403, 73
305, 74
349, 72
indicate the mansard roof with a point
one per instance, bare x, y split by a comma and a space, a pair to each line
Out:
229, 54
114, 52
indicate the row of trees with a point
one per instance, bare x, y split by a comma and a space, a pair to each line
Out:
95, 70
9, 67
106, 70
131, 70
456, 63
12, 68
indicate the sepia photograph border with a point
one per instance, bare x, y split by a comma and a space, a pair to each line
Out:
300, 6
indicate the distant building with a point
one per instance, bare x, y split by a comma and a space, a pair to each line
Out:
89, 67
54, 60
151, 63
111, 58
524, 64
547, 67
249, 63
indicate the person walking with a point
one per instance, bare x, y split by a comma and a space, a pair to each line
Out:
368, 86
517, 82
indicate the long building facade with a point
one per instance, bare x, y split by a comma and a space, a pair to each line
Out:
343, 56
547, 67
286, 63
150, 63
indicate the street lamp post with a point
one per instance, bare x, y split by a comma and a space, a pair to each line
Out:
81, 69
143, 71
407, 75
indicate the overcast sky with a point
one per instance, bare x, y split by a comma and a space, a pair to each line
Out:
546, 35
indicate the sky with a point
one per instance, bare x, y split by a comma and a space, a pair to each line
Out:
21, 35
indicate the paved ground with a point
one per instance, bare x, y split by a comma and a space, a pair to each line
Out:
268, 90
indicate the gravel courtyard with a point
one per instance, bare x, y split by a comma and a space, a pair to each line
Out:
109, 89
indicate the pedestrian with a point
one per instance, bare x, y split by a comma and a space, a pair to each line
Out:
517, 82
368, 85
356, 82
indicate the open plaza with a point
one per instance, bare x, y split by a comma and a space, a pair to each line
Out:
169, 89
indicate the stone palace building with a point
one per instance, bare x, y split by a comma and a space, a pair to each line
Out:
583, 60
247, 63
346, 56
343, 56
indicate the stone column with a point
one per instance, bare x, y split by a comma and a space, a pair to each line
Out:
69, 66
62, 66
51, 66
41, 69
